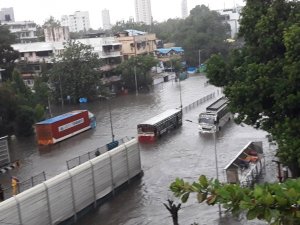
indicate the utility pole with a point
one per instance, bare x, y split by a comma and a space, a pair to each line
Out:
180, 94
199, 59
216, 162
134, 68
61, 94
110, 118
49, 106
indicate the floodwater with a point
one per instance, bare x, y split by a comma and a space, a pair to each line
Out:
182, 153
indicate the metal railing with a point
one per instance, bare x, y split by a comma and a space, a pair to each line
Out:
76, 161
25, 185
198, 102
64, 197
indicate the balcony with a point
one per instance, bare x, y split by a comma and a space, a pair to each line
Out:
110, 54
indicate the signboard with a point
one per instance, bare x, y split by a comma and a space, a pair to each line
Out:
69, 125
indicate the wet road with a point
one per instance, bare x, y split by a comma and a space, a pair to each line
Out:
183, 153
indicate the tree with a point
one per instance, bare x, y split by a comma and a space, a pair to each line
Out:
142, 65
201, 30
8, 108
173, 210
216, 69
277, 204
75, 73
7, 54
42, 91
24, 121
262, 80
51, 22
19, 86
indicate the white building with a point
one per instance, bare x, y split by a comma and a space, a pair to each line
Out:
184, 9
32, 55
143, 11
106, 19
56, 34
7, 14
25, 31
232, 16
78, 22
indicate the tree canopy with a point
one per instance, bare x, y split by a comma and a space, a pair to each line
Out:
276, 203
7, 54
262, 78
142, 66
17, 107
202, 30
75, 73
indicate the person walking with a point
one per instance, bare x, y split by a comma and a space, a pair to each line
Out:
15, 185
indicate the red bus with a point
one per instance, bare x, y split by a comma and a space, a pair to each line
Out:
153, 128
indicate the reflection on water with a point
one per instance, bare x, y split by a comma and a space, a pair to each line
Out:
181, 153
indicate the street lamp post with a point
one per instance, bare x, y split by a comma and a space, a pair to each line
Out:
135, 79
61, 94
49, 106
180, 94
134, 68
199, 58
216, 162
110, 119
216, 157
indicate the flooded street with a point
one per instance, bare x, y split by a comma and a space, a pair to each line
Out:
182, 153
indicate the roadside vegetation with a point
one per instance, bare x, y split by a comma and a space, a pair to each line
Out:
261, 80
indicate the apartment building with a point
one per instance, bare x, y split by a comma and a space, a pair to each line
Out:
56, 34
136, 43
232, 16
7, 15
106, 19
33, 55
79, 21
25, 31
184, 9
143, 11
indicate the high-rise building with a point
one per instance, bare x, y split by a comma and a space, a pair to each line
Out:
143, 11
7, 15
106, 19
184, 9
78, 22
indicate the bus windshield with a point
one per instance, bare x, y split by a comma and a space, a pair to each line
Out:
208, 120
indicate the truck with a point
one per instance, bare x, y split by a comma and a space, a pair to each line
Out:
58, 128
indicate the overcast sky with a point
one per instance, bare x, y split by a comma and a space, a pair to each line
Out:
39, 10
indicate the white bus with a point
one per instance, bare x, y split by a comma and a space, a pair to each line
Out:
215, 117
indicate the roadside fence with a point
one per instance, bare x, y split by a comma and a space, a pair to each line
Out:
198, 102
65, 197
25, 185
92, 154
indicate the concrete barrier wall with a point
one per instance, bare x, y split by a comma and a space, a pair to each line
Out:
66, 194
